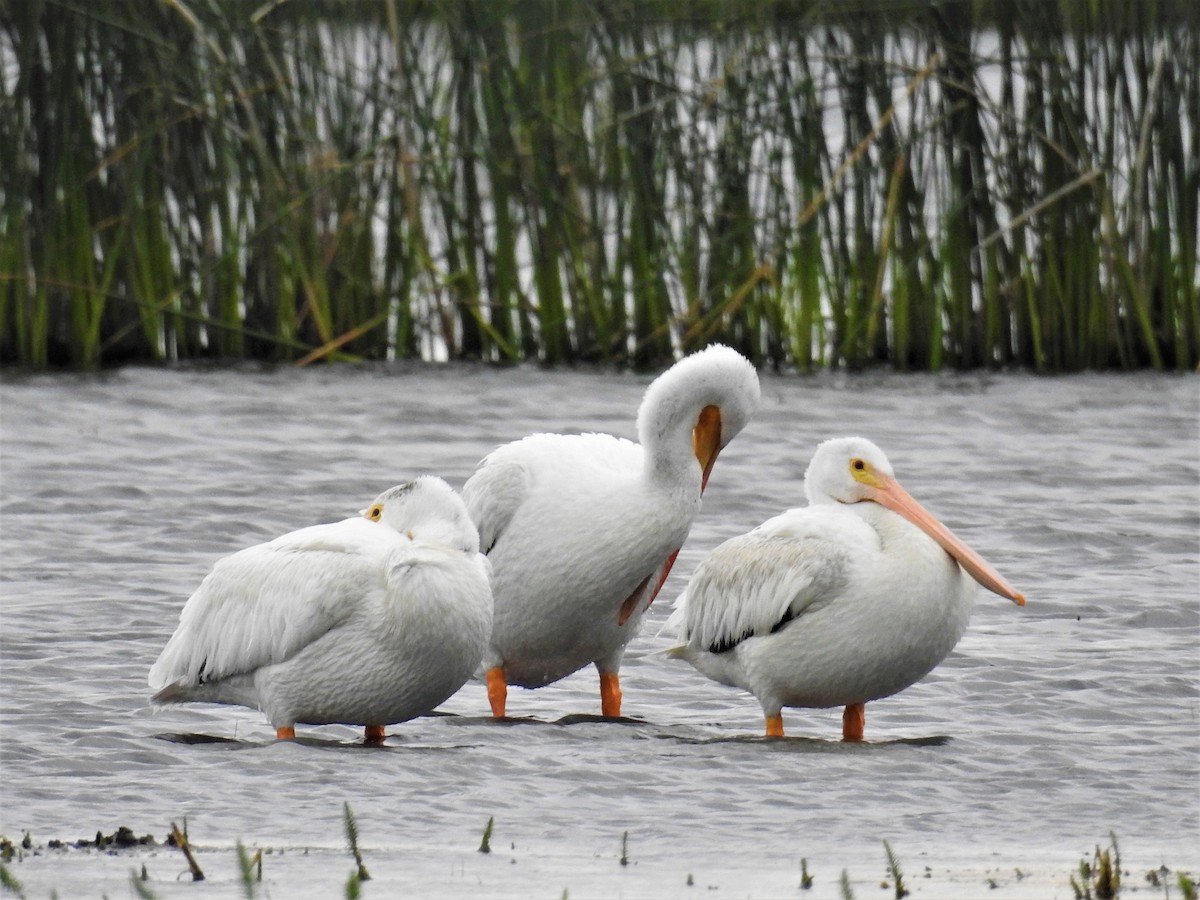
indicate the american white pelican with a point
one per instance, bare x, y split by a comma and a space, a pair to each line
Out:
850, 599
582, 529
368, 621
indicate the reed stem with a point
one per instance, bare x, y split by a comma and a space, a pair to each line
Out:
931, 186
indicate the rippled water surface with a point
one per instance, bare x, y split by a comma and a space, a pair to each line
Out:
1048, 727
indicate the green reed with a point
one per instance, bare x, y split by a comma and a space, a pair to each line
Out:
925, 187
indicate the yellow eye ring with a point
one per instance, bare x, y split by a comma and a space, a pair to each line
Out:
375, 513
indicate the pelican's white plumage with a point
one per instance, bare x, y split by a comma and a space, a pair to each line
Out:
368, 621
582, 529
850, 599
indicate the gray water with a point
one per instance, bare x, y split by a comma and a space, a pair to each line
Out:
1048, 727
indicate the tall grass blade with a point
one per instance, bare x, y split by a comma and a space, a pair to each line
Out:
932, 186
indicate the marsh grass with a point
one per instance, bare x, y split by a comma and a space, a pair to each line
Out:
138, 886
10, 882
350, 824
1101, 879
935, 186
181, 841
897, 876
844, 885
246, 873
485, 845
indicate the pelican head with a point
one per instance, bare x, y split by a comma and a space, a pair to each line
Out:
426, 509
853, 470
707, 397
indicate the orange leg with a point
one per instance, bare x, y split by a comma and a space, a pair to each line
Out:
775, 725
375, 734
497, 689
854, 719
610, 694
286, 733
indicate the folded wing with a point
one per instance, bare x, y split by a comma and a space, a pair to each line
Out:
756, 583
264, 604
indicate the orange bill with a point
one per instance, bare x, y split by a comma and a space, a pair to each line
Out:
706, 441
888, 492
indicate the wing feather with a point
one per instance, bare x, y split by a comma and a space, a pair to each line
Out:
505, 479
266, 603
493, 494
754, 584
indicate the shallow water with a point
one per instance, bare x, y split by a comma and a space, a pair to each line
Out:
1047, 727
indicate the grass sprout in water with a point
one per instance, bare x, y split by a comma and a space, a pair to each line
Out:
247, 866
181, 841
360, 873
137, 884
9, 881
894, 871
1096, 879
1100, 880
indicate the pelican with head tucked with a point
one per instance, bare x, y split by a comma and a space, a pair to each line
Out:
852, 598
369, 621
582, 529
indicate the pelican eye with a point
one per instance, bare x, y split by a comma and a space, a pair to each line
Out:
375, 513
861, 471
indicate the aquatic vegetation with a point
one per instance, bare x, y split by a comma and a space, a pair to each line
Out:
137, 884
806, 880
180, 840
925, 188
246, 873
9, 882
485, 846
895, 873
1096, 879
1101, 879
351, 826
